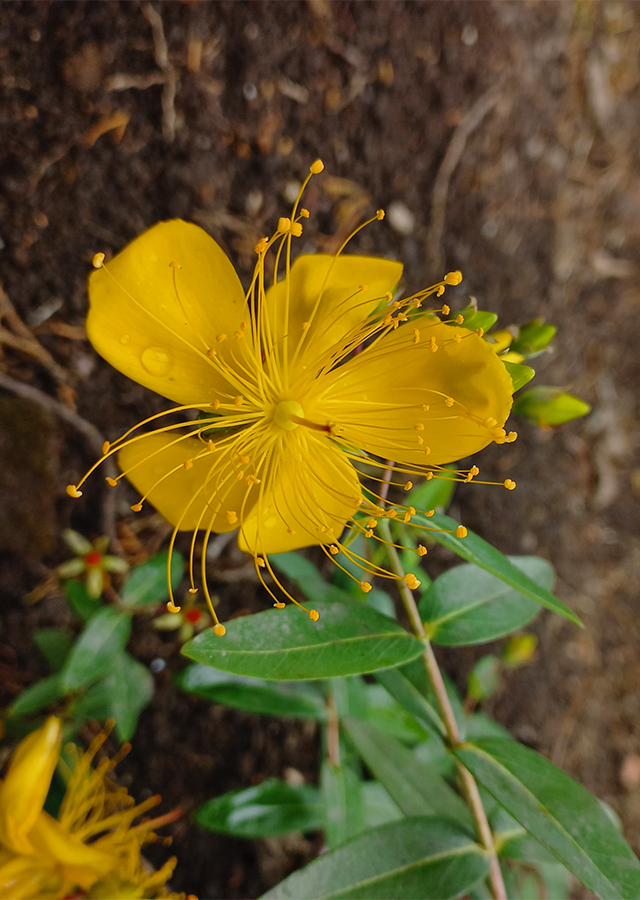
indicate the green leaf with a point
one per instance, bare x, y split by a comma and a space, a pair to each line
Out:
484, 678
379, 808
389, 716
417, 789
464, 606
54, 644
343, 802
562, 815
533, 338
546, 406
415, 859
39, 695
96, 650
284, 645
475, 318
148, 583
402, 689
121, 695
80, 599
519, 374
477, 551
270, 808
252, 694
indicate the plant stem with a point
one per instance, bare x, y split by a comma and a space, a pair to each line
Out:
467, 781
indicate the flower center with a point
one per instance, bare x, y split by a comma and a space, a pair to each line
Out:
286, 413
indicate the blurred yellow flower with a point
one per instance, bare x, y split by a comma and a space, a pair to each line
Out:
305, 386
91, 848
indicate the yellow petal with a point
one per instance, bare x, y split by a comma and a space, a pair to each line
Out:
210, 483
25, 877
24, 790
154, 321
313, 491
399, 399
343, 305
83, 863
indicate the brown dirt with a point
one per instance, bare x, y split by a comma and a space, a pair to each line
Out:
542, 214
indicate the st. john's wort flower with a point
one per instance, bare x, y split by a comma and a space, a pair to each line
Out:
313, 377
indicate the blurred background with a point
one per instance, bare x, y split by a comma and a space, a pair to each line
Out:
502, 138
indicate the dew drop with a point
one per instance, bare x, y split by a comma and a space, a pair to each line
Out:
125, 339
156, 361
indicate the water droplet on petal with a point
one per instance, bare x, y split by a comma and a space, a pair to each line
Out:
125, 339
156, 361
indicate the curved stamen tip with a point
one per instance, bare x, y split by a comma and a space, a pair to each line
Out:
453, 278
461, 531
316, 167
279, 604
98, 260
137, 507
111, 482
365, 586
509, 484
219, 629
380, 215
314, 615
411, 581
106, 447
73, 491
172, 607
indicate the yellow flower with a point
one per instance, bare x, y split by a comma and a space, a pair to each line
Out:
91, 847
306, 386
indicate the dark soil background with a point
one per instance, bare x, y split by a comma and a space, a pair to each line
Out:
503, 139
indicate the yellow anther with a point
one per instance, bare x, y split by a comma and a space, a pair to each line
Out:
238, 401
490, 422
232, 516
428, 476
296, 229
97, 260
105, 448
365, 587
306, 325
239, 334
429, 512
509, 484
211, 352
279, 604
388, 320
445, 309
420, 441
426, 407
453, 277
372, 523
411, 510
422, 550
193, 590
251, 479
239, 475
416, 335
433, 344
188, 464
215, 405
411, 581
221, 337
461, 531
284, 224
362, 287
380, 215
73, 491
261, 563
458, 337
511, 437
368, 533
389, 296
304, 213
406, 518
244, 325
219, 629
440, 292
290, 531
419, 427
314, 615
479, 331
211, 446
473, 471
111, 482
137, 507
174, 265
449, 402
499, 432
262, 245
459, 319
408, 485
333, 550
172, 607
392, 513
316, 167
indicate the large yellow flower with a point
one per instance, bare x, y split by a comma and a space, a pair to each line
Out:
303, 384
91, 849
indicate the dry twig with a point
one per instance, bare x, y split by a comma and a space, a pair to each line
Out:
161, 52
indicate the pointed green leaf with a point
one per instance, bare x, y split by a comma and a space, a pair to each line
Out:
284, 645
97, 648
148, 583
379, 808
121, 695
415, 859
464, 606
519, 374
477, 551
252, 694
39, 695
402, 689
81, 601
270, 808
417, 789
547, 406
343, 802
533, 338
562, 815
54, 644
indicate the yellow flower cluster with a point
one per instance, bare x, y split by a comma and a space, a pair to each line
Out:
298, 393
92, 848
